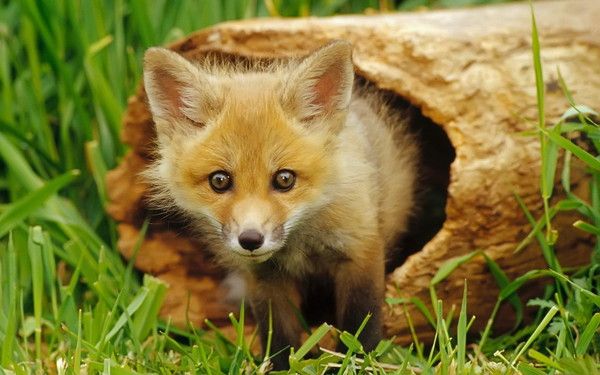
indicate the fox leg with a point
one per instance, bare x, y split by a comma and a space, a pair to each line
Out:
359, 290
281, 297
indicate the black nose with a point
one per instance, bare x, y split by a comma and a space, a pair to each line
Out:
251, 239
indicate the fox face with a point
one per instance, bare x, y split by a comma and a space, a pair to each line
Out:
250, 154
253, 175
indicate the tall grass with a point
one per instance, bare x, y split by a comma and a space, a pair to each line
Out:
68, 302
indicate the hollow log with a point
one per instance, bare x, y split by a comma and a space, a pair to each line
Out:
466, 77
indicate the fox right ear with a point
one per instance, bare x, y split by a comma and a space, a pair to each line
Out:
178, 91
321, 85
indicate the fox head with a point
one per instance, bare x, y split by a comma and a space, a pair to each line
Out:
248, 153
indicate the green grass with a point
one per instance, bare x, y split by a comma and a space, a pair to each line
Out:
68, 302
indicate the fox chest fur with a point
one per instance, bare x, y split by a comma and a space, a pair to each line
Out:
288, 170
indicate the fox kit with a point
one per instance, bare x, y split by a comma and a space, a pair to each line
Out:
298, 181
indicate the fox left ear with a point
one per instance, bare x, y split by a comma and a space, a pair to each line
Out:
321, 85
180, 95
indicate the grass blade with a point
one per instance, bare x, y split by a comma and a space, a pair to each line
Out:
16, 212
10, 329
549, 315
590, 160
312, 340
129, 311
502, 280
587, 227
587, 335
448, 267
34, 246
147, 315
461, 333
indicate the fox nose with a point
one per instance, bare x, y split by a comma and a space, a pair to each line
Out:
251, 239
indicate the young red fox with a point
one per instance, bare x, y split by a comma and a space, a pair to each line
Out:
298, 181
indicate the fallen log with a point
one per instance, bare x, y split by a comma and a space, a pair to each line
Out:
465, 78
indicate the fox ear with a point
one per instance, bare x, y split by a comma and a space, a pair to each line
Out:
178, 92
321, 84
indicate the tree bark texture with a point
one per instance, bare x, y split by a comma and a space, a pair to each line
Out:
468, 72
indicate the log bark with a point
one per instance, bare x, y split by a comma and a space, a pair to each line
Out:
470, 72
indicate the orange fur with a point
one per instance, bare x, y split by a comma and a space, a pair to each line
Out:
353, 161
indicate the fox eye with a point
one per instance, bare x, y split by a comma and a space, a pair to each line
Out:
284, 180
220, 181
